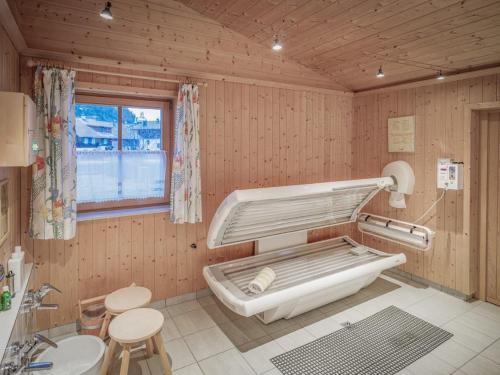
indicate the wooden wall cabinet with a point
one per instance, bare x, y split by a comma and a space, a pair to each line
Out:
19, 141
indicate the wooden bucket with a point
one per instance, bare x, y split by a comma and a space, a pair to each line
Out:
91, 316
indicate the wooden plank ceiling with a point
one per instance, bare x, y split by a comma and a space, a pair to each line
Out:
161, 34
347, 40
327, 43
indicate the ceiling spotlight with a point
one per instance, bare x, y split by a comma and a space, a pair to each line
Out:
380, 72
106, 12
440, 75
277, 45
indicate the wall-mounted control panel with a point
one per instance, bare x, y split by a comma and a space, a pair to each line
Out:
450, 174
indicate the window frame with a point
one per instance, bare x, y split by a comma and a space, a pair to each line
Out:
167, 142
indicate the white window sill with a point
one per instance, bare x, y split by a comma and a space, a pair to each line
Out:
132, 211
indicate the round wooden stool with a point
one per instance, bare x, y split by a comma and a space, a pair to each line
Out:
135, 327
121, 300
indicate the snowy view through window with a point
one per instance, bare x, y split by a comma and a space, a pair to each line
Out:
118, 161
97, 128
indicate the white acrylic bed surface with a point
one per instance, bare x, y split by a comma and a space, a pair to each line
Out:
293, 266
330, 262
248, 215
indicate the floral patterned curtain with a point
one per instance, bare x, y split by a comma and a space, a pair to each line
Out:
53, 191
185, 193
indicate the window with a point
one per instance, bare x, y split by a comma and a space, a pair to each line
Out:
122, 147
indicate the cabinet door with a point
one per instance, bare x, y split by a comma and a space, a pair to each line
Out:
12, 150
17, 129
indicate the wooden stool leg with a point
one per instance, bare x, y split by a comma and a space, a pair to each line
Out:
149, 347
105, 325
155, 347
108, 358
163, 354
125, 359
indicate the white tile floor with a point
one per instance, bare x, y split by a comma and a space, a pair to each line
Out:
198, 346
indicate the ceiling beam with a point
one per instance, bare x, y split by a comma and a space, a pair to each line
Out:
9, 23
431, 81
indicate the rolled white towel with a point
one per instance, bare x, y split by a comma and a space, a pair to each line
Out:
262, 281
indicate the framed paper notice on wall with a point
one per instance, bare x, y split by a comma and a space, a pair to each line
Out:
401, 134
4, 210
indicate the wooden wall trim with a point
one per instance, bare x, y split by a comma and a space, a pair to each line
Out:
69, 58
108, 89
484, 106
33, 62
432, 81
10, 25
483, 190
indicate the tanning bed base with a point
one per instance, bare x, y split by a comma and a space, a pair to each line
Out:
308, 276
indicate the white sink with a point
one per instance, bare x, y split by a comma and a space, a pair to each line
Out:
77, 355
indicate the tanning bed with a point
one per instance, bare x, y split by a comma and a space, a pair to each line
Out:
308, 275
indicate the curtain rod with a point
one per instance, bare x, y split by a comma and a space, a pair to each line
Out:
31, 63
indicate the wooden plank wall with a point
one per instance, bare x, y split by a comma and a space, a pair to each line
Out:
439, 111
9, 81
251, 136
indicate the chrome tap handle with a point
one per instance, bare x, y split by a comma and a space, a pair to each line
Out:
46, 288
48, 306
50, 287
30, 347
38, 366
42, 339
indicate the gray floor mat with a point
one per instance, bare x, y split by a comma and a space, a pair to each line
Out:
383, 343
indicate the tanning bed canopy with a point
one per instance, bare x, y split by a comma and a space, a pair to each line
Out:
254, 214
249, 215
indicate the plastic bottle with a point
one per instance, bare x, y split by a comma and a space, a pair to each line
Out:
10, 278
6, 298
16, 265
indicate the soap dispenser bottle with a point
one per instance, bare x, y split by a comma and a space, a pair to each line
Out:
16, 265
6, 298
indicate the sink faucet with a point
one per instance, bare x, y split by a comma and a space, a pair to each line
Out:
24, 353
45, 289
33, 298
30, 348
